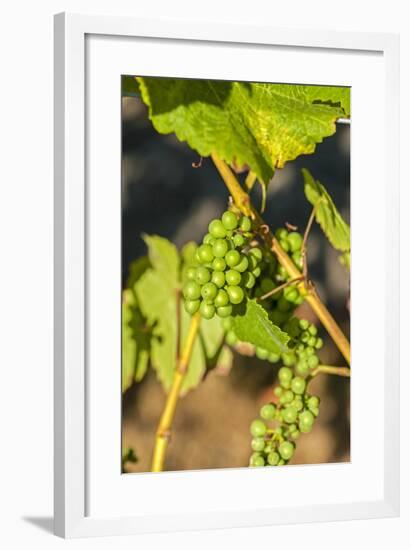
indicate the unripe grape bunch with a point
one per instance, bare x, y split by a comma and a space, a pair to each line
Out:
274, 434
225, 270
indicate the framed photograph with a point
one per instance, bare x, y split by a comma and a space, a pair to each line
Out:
218, 193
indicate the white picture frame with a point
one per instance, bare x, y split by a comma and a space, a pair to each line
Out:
74, 431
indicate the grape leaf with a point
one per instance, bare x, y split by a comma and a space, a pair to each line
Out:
130, 87
158, 292
327, 216
331, 95
254, 124
136, 333
255, 327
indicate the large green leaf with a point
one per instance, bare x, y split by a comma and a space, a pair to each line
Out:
158, 292
259, 125
327, 215
255, 327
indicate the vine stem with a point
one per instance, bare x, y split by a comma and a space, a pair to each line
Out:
328, 369
163, 432
306, 288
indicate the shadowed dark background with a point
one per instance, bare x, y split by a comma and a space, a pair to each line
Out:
163, 194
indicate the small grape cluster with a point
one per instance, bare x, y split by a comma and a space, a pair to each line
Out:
303, 346
281, 304
293, 414
226, 268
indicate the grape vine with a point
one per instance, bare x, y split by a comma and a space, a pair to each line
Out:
245, 282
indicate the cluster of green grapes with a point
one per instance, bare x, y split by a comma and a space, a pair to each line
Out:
303, 346
293, 414
226, 268
280, 305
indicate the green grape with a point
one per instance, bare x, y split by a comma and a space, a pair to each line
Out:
313, 401
190, 273
298, 385
283, 274
314, 411
261, 353
218, 278
209, 291
273, 358
192, 290
312, 341
256, 253
208, 239
238, 240
207, 310
236, 294
258, 428
309, 351
222, 298
286, 450
302, 366
231, 338
300, 349
281, 233
233, 278
220, 248
297, 404
268, 447
217, 229
257, 461
229, 234
252, 261
273, 458
295, 434
284, 244
258, 444
267, 285
288, 359
319, 343
242, 265
281, 462
232, 258
297, 258
313, 330
202, 275
306, 420
219, 264
248, 280
268, 411
285, 374
205, 253
224, 311
192, 306
291, 294
287, 397
304, 337
278, 391
229, 220
256, 272
279, 431
295, 241
245, 224
304, 324
289, 414
313, 361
